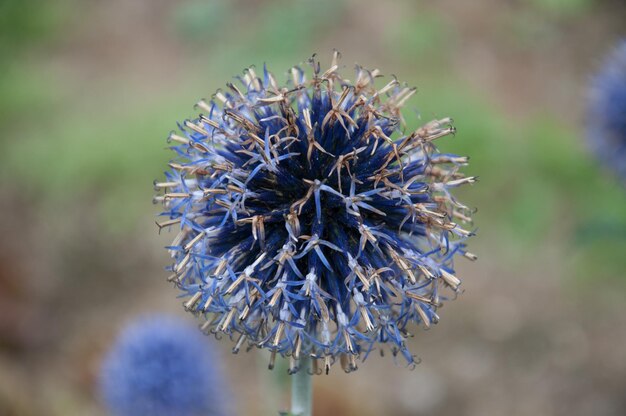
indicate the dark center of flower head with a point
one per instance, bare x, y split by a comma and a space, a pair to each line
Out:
306, 227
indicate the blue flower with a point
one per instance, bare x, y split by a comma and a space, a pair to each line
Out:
607, 112
161, 366
309, 223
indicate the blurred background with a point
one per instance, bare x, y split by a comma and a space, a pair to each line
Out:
89, 90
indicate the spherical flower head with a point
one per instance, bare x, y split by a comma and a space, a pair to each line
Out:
161, 366
607, 112
308, 222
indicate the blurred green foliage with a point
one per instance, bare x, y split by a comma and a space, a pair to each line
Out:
287, 27
23, 93
27, 23
565, 8
24, 27
273, 31
198, 20
423, 32
536, 181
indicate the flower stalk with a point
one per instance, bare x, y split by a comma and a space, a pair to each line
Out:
302, 390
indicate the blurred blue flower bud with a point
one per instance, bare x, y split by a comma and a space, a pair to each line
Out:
607, 112
162, 366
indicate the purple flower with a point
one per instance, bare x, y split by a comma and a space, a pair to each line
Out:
309, 223
607, 112
162, 366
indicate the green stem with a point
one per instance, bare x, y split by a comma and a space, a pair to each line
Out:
302, 389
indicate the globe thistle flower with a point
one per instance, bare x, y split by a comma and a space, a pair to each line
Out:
309, 223
162, 366
607, 112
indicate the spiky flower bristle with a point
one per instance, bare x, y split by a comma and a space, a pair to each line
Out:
305, 226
